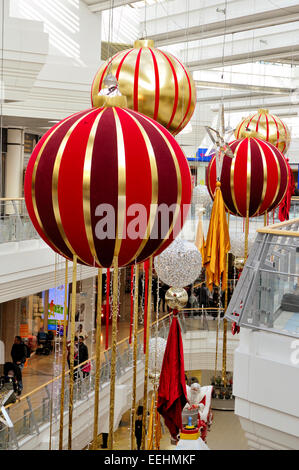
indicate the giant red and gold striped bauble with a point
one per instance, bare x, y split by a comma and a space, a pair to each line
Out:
111, 156
254, 181
267, 127
154, 82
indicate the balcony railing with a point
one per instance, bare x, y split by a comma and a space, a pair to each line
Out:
37, 408
15, 224
34, 410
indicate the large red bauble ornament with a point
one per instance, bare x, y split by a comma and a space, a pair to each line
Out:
155, 83
254, 181
110, 157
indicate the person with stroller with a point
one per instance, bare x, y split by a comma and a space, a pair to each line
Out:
19, 355
9, 382
80, 355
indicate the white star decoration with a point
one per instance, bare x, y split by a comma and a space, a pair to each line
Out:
219, 138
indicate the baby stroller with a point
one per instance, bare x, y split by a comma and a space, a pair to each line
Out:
45, 343
14, 381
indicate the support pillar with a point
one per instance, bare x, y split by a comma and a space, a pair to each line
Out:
14, 166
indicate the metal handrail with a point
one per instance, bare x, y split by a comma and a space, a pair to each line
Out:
5, 199
81, 364
203, 308
277, 229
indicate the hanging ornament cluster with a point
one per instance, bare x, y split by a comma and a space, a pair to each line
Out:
93, 172
97, 181
252, 182
179, 265
155, 83
267, 127
201, 196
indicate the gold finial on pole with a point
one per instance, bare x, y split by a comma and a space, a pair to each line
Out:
63, 359
135, 344
98, 362
149, 317
72, 349
113, 352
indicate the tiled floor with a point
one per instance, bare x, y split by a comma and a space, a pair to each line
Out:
225, 434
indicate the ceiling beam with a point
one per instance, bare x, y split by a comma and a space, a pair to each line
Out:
268, 55
236, 97
250, 107
106, 4
243, 86
231, 26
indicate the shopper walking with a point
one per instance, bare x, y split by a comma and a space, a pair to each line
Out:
83, 356
138, 427
18, 355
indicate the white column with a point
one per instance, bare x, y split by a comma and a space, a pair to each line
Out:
14, 165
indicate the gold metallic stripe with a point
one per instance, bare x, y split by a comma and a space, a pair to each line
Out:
287, 170
121, 205
154, 175
232, 172
86, 186
147, 82
126, 75
183, 96
239, 128
36, 163
164, 61
55, 177
279, 174
285, 137
265, 175
179, 183
248, 177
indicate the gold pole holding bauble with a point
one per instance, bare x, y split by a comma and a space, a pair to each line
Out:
135, 344
265, 219
246, 236
98, 362
217, 339
72, 349
113, 354
149, 316
224, 349
63, 359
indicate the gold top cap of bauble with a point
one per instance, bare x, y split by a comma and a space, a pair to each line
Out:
110, 96
263, 111
107, 101
143, 43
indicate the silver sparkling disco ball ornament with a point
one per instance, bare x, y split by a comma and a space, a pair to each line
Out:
179, 265
237, 244
156, 352
201, 196
176, 298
